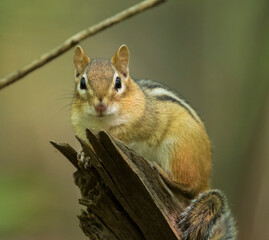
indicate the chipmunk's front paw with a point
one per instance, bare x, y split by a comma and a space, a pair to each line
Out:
83, 161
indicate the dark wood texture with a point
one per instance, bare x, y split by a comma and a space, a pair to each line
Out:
124, 196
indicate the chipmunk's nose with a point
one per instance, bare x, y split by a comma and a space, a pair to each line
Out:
100, 108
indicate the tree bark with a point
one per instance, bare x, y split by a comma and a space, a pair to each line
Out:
124, 196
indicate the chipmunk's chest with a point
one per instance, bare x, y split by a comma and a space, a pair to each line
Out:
82, 121
160, 153
151, 149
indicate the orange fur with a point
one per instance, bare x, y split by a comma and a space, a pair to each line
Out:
151, 120
191, 163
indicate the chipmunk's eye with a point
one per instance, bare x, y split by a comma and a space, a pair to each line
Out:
117, 83
83, 83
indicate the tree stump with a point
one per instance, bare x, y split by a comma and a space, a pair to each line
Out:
124, 196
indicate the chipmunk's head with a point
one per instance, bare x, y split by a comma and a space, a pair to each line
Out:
103, 88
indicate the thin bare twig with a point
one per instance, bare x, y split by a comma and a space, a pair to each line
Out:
75, 39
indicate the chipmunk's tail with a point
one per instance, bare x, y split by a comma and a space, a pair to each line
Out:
208, 218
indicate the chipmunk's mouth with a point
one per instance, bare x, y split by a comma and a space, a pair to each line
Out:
106, 110
102, 112
100, 115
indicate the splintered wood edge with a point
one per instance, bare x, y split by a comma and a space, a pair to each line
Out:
129, 229
97, 163
117, 150
101, 152
69, 152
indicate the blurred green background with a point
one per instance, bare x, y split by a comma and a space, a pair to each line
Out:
215, 53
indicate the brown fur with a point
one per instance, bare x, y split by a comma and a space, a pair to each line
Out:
150, 122
81, 60
161, 127
100, 74
208, 218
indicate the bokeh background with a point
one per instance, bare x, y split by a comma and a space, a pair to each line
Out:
215, 53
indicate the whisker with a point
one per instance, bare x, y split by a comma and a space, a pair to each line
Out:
65, 106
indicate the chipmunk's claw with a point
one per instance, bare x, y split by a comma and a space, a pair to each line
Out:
83, 161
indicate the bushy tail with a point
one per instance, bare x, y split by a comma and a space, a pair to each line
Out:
208, 218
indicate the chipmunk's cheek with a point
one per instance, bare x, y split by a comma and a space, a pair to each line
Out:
89, 110
112, 109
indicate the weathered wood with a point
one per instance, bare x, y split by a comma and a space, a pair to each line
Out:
124, 195
67, 151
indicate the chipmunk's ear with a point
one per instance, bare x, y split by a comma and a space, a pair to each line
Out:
80, 60
121, 60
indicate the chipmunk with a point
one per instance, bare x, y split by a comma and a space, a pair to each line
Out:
149, 118
144, 115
